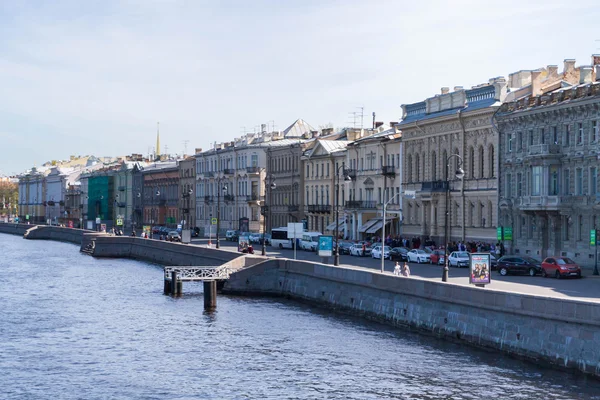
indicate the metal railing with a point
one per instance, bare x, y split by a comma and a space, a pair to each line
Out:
319, 208
199, 273
369, 204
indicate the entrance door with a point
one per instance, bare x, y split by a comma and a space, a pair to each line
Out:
544, 225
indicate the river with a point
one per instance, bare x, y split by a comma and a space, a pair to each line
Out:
75, 327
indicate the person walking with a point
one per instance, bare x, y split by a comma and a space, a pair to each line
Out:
405, 270
397, 269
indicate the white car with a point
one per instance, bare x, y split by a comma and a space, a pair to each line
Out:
418, 256
459, 259
376, 252
357, 250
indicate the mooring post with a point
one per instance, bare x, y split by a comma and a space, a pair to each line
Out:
174, 283
167, 287
210, 294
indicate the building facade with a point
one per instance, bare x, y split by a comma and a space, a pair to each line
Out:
160, 194
187, 186
441, 134
550, 144
32, 191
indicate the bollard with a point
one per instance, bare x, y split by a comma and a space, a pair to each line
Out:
179, 287
167, 288
174, 283
210, 294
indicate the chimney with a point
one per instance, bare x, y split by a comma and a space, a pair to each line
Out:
552, 70
445, 90
536, 82
597, 73
378, 124
457, 88
585, 74
595, 59
569, 64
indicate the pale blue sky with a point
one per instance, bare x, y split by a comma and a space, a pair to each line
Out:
94, 77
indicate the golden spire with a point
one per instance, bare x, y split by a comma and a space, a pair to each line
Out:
157, 140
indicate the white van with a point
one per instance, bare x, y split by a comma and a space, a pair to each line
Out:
310, 241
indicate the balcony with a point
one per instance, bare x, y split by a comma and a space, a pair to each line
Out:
366, 204
121, 204
208, 199
434, 186
550, 203
228, 197
388, 170
253, 198
121, 188
319, 208
253, 170
293, 208
228, 171
543, 150
351, 173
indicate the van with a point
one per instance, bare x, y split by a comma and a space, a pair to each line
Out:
310, 241
231, 235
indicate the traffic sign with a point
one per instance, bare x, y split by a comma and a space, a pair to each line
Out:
213, 221
119, 222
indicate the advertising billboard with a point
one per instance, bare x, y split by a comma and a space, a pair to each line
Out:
480, 269
325, 246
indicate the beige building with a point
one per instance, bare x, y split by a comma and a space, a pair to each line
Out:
187, 197
374, 164
440, 134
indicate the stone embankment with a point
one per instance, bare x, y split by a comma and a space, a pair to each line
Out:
559, 332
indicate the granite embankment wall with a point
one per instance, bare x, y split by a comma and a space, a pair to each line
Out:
167, 253
61, 234
15, 229
560, 332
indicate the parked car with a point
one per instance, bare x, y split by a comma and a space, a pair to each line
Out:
437, 257
459, 259
344, 247
399, 254
418, 256
173, 236
231, 235
357, 250
560, 267
195, 231
519, 265
493, 261
254, 237
377, 250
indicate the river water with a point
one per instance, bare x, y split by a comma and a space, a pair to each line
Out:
75, 327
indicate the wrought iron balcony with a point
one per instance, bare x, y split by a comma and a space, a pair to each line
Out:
434, 186
368, 204
252, 198
351, 173
253, 170
208, 199
541, 150
229, 197
121, 204
388, 170
228, 171
319, 208
293, 208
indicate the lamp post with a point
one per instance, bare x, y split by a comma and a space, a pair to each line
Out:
336, 256
383, 232
219, 209
272, 186
460, 173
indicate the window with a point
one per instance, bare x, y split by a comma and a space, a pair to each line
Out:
593, 181
536, 180
433, 166
580, 227
580, 133
531, 137
553, 189
509, 143
519, 141
471, 163
567, 188
555, 134
379, 195
519, 185
417, 165
491, 169
481, 164
579, 181
595, 132
254, 160
567, 135
543, 136
508, 185
327, 169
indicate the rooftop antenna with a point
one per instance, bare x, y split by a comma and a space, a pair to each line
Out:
373, 119
362, 114
185, 143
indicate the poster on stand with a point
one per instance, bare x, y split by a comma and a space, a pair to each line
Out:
480, 268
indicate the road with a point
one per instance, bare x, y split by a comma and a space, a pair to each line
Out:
586, 289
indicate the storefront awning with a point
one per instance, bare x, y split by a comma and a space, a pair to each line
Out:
331, 226
377, 226
368, 225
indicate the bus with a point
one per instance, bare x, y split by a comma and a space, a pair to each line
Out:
279, 238
310, 241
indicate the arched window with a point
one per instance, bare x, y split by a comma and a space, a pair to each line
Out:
471, 163
490, 214
481, 163
423, 166
491, 162
444, 161
433, 166
410, 169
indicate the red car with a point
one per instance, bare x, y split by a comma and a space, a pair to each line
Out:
560, 267
437, 257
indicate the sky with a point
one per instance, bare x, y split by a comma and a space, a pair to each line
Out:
94, 77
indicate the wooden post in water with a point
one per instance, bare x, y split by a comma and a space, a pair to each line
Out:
167, 288
210, 294
174, 285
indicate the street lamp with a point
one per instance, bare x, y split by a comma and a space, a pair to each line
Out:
336, 256
219, 209
264, 213
383, 232
460, 173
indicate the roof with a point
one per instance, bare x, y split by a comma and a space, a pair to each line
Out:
297, 129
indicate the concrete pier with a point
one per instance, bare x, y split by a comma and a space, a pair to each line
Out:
210, 294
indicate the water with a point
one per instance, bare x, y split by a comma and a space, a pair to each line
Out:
74, 327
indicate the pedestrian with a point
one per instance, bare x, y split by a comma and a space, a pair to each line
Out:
397, 269
364, 249
405, 270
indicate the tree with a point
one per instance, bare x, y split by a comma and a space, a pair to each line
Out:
9, 197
